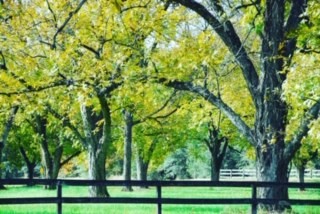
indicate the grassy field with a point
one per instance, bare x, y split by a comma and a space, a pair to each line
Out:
171, 192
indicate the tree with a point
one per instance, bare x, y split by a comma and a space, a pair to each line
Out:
52, 146
307, 153
139, 109
277, 24
5, 133
22, 140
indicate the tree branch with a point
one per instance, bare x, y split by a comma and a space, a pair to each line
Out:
247, 5
64, 24
3, 66
58, 83
53, 14
77, 153
134, 7
25, 156
210, 97
96, 53
231, 39
297, 9
66, 122
312, 114
165, 115
8, 125
157, 111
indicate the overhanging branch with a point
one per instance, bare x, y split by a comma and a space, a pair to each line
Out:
231, 39
312, 114
58, 83
210, 97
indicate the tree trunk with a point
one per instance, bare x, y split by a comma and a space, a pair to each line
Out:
97, 171
215, 171
46, 158
97, 141
142, 170
271, 167
127, 149
217, 146
31, 167
301, 170
143, 161
1, 148
30, 164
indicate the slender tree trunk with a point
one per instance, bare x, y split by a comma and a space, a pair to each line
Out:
1, 148
46, 158
31, 164
301, 171
128, 118
217, 146
56, 161
142, 169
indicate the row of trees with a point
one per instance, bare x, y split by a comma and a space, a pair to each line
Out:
174, 70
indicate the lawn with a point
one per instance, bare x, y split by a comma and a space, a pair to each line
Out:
170, 192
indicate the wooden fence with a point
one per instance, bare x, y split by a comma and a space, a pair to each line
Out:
159, 200
245, 173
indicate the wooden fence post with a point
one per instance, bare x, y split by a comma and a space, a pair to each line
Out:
159, 199
59, 196
254, 204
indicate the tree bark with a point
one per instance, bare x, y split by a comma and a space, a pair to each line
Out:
271, 167
31, 164
301, 171
128, 118
143, 161
97, 171
142, 169
217, 146
46, 158
97, 141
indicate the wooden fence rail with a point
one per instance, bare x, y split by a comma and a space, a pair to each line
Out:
159, 200
230, 173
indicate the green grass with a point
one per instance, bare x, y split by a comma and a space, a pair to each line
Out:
170, 192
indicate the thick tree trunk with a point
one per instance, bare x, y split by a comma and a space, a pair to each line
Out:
215, 171
271, 167
97, 171
127, 149
301, 170
31, 170
97, 143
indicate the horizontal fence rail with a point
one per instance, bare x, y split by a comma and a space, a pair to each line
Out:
244, 173
159, 200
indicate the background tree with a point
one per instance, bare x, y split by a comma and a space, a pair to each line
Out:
22, 140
